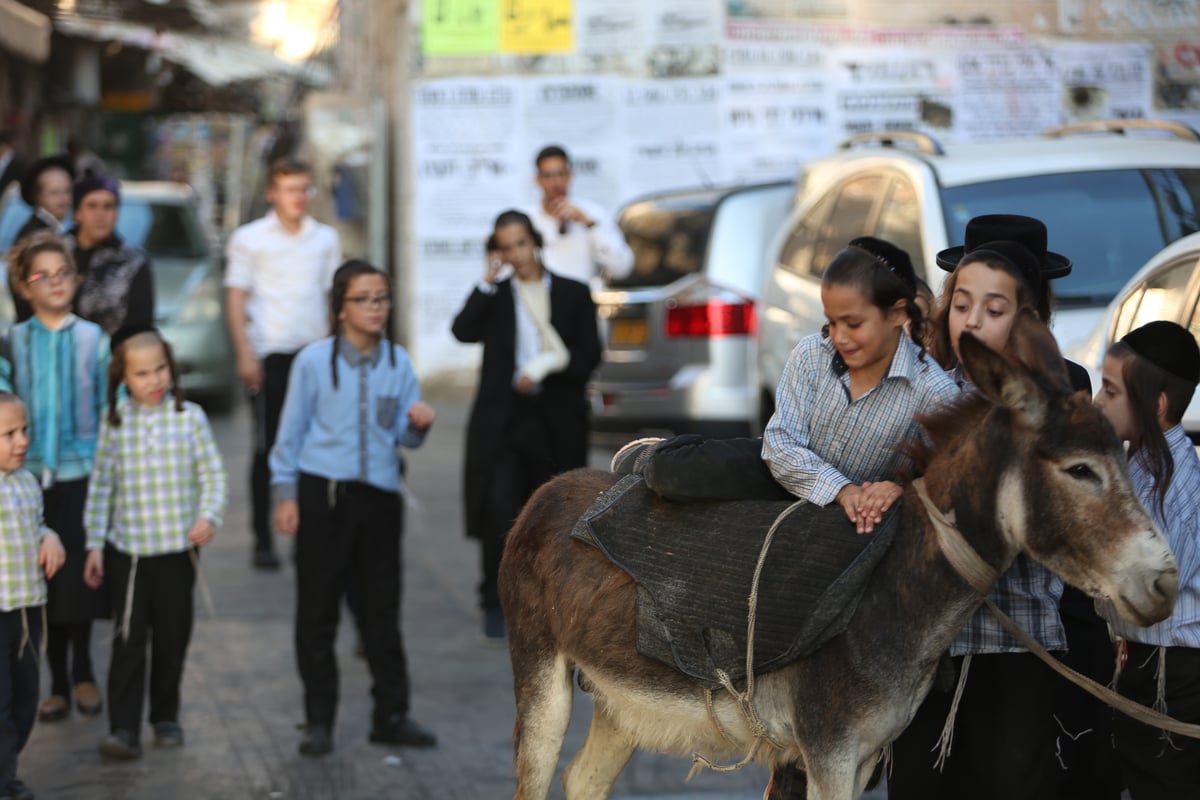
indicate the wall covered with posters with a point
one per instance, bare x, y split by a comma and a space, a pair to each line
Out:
663, 94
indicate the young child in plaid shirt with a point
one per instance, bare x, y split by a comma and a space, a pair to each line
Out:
158, 490
27, 549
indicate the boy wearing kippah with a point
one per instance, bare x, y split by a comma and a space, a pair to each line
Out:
1149, 379
27, 550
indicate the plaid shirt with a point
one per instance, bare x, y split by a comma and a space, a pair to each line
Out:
156, 474
819, 440
1027, 592
22, 583
1179, 519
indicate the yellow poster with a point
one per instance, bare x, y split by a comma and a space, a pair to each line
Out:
531, 27
460, 27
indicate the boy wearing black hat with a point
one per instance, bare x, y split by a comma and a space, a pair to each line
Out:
1149, 379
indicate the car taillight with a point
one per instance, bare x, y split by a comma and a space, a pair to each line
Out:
712, 318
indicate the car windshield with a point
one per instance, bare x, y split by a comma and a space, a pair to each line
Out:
1108, 222
166, 230
668, 237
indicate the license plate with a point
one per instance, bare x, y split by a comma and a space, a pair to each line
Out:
628, 332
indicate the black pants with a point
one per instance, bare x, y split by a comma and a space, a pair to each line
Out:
1155, 768
526, 461
1004, 733
160, 617
268, 405
77, 637
354, 539
18, 685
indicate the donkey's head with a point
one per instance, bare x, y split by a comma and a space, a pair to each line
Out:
1063, 492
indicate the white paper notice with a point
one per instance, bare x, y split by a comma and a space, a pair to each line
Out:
608, 27
1006, 92
772, 123
1104, 81
673, 134
892, 89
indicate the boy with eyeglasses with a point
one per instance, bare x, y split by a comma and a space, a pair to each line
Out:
277, 280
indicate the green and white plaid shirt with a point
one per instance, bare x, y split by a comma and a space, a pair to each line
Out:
155, 474
22, 583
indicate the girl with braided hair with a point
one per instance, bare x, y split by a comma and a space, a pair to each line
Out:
352, 400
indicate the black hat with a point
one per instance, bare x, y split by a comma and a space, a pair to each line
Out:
1021, 241
1168, 346
127, 332
891, 256
29, 181
94, 183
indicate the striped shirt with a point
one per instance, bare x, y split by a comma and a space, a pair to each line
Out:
22, 583
156, 474
819, 440
62, 376
1027, 592
1180, 521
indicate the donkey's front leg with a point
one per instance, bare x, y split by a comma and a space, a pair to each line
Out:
833, 777
595, 768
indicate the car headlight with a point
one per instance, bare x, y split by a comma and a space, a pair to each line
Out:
203, 303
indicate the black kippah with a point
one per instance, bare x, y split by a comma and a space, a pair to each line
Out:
1168, 346
891, 256
126, 332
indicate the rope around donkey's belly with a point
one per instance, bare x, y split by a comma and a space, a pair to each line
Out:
745, 700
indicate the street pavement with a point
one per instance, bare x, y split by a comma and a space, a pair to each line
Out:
242, 696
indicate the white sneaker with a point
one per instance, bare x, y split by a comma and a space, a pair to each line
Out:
630, 458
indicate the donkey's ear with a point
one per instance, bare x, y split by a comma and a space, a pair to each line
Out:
1002, 381
1033, 346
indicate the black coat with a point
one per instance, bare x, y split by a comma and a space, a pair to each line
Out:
491, 319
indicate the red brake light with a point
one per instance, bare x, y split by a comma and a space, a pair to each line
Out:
713, 318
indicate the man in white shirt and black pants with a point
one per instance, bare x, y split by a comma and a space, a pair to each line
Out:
581, 239
278, 275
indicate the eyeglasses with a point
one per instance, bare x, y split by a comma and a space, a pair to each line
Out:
51, 278
378, 301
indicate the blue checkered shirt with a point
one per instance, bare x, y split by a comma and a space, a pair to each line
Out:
1027, 592
155, 474
1180, 521
819, 441
22, 583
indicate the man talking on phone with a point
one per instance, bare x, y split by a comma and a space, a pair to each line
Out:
581, 239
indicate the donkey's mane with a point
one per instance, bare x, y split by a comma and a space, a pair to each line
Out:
950, 422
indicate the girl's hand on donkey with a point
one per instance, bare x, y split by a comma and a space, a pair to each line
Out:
93, 570
848, 498
877, 498
201, 532
287, 517
420, 416
51, 554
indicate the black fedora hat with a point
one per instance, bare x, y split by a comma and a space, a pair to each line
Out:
29, 181
1017, 239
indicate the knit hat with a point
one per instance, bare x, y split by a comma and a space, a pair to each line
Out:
95, 183
891, 256
1168, 346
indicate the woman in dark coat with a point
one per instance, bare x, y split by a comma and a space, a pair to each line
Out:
116, 281
530, 416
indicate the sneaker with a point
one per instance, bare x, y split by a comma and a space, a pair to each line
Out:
630, 459
493, 624
168, 734
120, 744
54, 708
87, 699
316, 741
400, 730
266, 560
17, 790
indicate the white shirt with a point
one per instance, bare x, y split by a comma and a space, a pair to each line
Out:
582, 252
287, 277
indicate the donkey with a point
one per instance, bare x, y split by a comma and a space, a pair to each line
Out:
1023, 464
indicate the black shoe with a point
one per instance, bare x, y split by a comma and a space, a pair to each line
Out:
401, 730
17, 790
630, 459
120, 744
316, 741
266, 560
168, 734
493, 624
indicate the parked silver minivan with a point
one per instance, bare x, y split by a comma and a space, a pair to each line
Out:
680, 333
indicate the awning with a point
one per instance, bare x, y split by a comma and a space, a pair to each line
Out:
213, 59
24, 32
